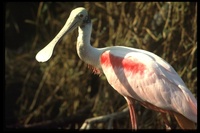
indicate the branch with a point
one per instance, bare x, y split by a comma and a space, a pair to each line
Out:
118, 115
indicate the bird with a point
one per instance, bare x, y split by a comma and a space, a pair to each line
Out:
136, 74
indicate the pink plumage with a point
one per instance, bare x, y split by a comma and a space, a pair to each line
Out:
138, 75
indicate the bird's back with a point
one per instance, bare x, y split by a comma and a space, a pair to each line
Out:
146, 77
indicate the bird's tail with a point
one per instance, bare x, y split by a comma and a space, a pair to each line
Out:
183, 122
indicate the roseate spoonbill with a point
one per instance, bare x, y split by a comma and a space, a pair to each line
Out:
136, 74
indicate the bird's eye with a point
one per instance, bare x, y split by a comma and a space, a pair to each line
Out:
81, 15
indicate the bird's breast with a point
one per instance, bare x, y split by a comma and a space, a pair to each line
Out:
118, 69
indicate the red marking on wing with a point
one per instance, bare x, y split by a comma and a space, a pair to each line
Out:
128, 63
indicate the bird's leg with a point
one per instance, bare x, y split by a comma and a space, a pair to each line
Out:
167, 124
132, 115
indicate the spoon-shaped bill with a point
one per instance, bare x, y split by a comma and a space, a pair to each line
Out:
46, 53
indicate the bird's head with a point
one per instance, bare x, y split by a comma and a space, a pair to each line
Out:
77, 17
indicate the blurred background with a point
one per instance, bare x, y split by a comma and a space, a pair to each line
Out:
62, 93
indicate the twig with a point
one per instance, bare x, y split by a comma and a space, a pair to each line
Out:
87, 124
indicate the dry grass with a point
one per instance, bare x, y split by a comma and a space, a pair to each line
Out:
64, 86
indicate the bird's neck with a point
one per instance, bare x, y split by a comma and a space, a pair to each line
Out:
85, 51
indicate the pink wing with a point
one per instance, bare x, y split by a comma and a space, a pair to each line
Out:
147, 78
